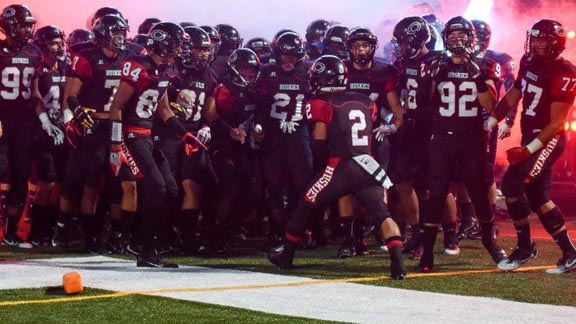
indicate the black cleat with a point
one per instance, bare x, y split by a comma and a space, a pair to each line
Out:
465, 230
281, 257
397, 267
346, 250
361, 248
518, 258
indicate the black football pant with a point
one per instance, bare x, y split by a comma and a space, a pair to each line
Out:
339, 178
468, 153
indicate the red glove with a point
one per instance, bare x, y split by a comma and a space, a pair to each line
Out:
192, 144
517, 155
74, 135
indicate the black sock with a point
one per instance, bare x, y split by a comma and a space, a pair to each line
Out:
524, 237
346, 227
466, 211
564, 242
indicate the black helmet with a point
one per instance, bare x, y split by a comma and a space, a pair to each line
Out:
433, 21
261, 47
165, 39
185, 24
361, 33
483, 34
240, 59
214, 38
316, 30
11, 21
334, 41
140, 39
289, 43
79, 36
553, 32
45, 35
199, 39
106, 27
459, 23
147, 24
105, 11
328, 74
409, 36
230, 39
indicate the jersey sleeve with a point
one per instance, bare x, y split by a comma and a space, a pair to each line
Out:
80, 68
392, 79
563, 87
320, 111
135, 74
518, 82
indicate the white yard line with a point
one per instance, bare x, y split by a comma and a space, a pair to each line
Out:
344, 302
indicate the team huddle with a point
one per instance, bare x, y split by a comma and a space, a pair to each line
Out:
183, 137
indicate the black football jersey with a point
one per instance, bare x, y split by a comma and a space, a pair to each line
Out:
507, 69
100, 76
220, 66
543, 84
375, 83
51, 86
456, 105
348, 116
198, 86
17, 70
150, 83
236, 105
283, 97
414, 86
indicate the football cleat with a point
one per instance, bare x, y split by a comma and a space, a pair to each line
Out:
465, 230
14, 241
361, 248
282, 257
518, 258
452, 249
397, 267
566, 264
346, 250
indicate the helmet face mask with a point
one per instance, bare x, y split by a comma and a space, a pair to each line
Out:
546, 40
483, 35
459, 36
410, 35
110, 32
362, 45
334, 41
288, 50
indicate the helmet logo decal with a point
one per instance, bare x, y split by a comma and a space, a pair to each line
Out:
9, 12
158, 35
414, 28
233, 58
319, 67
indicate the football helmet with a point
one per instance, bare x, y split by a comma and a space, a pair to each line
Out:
214, 38
431, 44
261, 47
316, 30
230, 39
334, 41
362, 34
45, 35
185, 24
244, 67
193, 55
291, 46
165, 39
104, 11
328, 74
140, 39
18, 23
409, 36
461, 46
433, 21
550, 30
147, 24
79, 36
483, 34
110, 32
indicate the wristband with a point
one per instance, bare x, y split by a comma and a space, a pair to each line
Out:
116, 137
43, 118
67, 116
534, 146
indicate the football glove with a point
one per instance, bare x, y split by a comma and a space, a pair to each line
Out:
517, 155
51, 129
74, 135
204, 135
383, 131
83, 117
179, 110
192, 144
504, 131
288, 126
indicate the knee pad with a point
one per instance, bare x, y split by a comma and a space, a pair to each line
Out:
552, 220
520, 209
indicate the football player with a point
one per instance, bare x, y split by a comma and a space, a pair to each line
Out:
461, 90
262, 48
214, 38
20, 62
343, 121
140, 98
284, 139
51, 156
314, 34
230, 41
546, 84
334, 41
